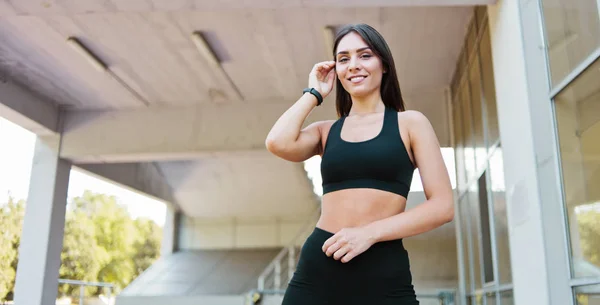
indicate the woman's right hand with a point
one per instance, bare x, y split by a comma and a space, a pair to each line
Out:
322, 77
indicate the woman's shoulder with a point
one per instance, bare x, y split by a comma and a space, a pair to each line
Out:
322, 127
412, 118
325, 125
416, 124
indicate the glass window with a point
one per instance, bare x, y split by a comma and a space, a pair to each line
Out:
480, 12
486, 243
587, 295
463, 207
471, 37
506, 298
469, 152
572, 33
577, 111
460, 65
458, 146
474, 225
477, 114
490, 298
477, 299
496, 169
489, 91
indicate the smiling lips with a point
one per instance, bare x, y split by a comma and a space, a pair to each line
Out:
357, 78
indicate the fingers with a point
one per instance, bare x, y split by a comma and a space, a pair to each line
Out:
331, 78
324, 67
341, 252
337, 246
350, 255
332, 245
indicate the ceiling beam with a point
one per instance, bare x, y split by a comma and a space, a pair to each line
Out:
24, 108
172, 133
206, 129
11, 8
139, 177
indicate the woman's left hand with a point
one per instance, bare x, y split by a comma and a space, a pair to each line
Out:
348, 243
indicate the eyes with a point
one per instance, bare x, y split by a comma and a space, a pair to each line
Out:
365, 56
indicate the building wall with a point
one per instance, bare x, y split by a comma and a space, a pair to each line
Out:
526, 124
484, 254
571, 31
230, 233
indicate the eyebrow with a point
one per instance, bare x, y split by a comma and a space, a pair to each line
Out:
358, 50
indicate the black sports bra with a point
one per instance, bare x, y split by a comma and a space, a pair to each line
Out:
379, 163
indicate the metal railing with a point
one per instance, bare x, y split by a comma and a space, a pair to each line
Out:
79, 296
440, 297
280, 270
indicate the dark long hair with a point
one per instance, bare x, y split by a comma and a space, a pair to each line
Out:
390, 88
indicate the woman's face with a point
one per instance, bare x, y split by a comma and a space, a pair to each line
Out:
357, 67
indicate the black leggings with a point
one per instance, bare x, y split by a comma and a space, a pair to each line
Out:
379, 276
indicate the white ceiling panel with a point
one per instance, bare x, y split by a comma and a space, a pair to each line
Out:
266, 53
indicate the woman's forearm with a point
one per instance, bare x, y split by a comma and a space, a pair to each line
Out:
425, 217
287, 128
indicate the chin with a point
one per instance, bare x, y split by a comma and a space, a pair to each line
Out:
360, 92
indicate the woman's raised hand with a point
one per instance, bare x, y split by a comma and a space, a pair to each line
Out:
322, 77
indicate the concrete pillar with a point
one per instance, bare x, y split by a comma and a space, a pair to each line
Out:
43, 226
535, 212
170, 231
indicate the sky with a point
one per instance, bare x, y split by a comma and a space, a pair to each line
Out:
16, 155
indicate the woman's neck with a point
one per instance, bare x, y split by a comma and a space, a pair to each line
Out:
367, 104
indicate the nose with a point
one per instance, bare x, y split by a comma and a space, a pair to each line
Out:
354, 64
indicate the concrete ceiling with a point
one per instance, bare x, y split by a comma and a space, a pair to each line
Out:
249, 185
267, 53
265, 50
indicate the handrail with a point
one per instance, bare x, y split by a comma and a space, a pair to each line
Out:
446, 297
76, 282
289, 251
83, 284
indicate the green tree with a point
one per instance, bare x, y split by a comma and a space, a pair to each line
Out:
102, 243
147, 245
589, 234
81, 257
122, 239
11, 220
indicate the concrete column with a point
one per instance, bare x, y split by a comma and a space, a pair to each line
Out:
170, 231
43, 226
535, 212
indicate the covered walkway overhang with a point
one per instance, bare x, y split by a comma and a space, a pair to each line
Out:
175, 98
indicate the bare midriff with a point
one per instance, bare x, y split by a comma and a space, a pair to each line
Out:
357, 207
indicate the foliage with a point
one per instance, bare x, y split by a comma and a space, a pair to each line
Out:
147, 245
102, 243
589, 235
11, 220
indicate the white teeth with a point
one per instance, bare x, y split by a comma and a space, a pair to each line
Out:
357, 79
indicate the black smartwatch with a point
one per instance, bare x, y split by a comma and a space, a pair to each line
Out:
315, 93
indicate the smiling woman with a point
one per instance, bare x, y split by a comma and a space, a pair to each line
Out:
375, 59
355, 255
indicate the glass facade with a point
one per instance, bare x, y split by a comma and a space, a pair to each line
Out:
572, 30
587, 295
480, 171
577, 110
572, 33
